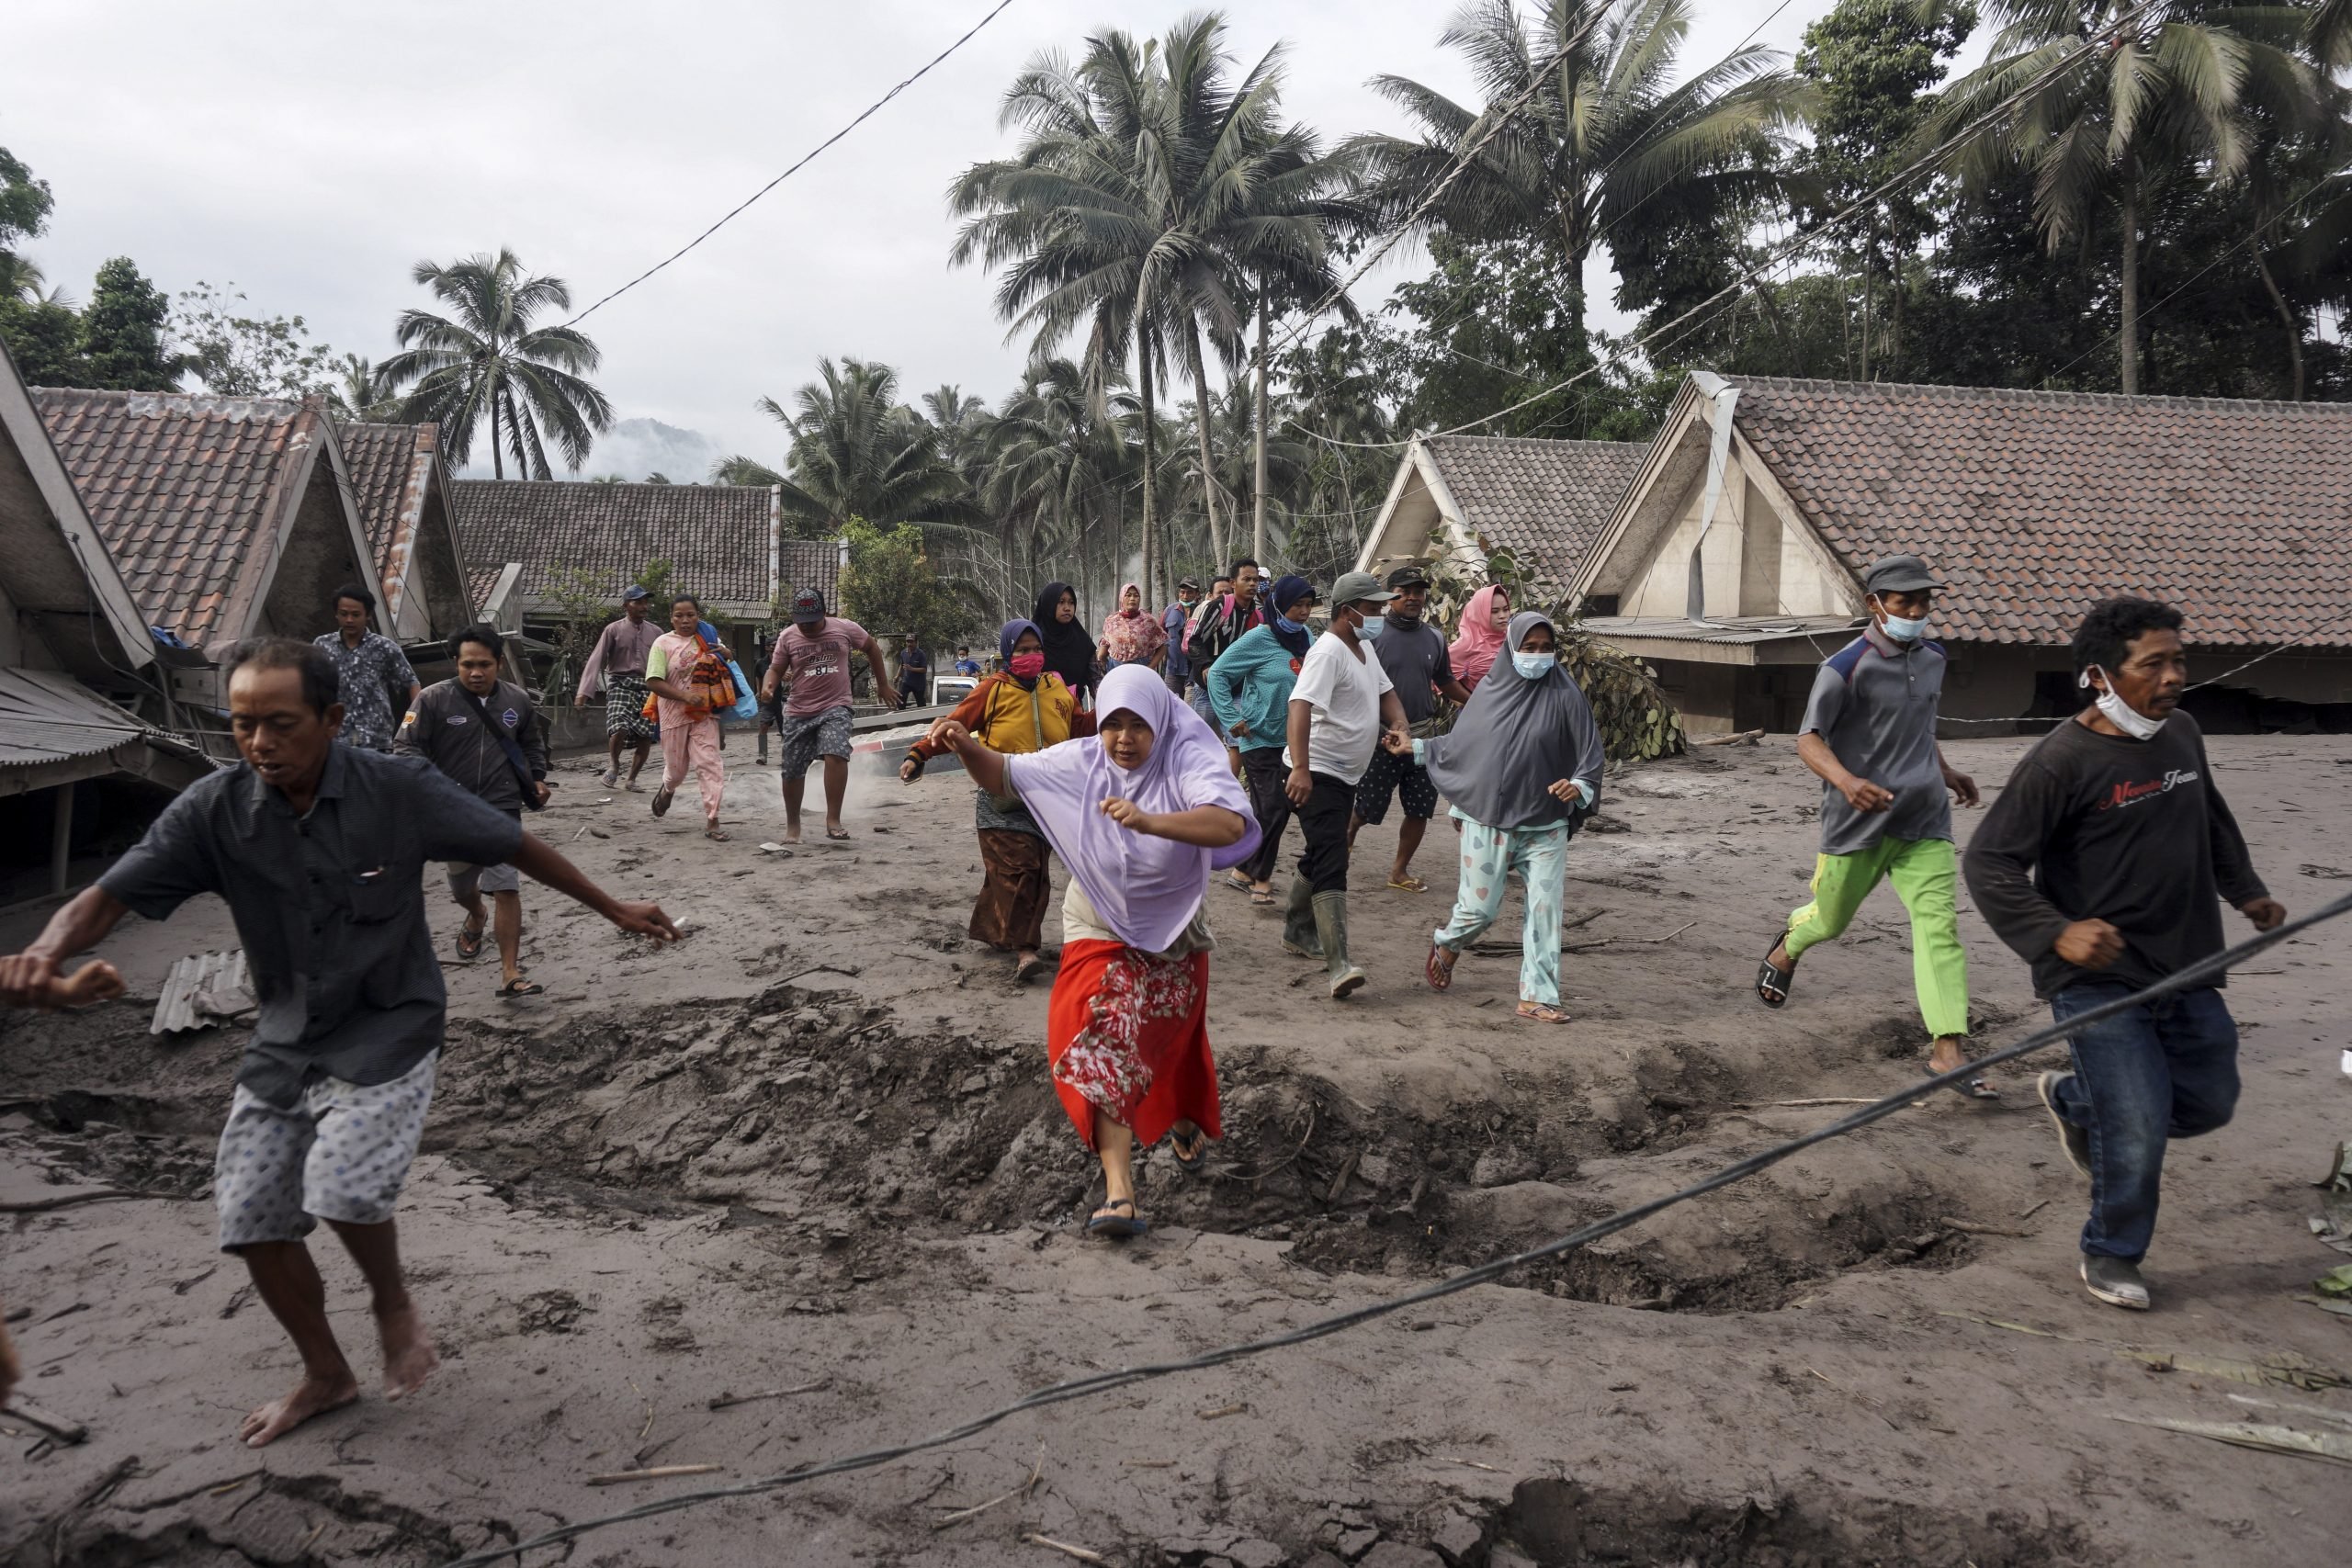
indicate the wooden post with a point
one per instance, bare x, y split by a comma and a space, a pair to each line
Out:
61, 844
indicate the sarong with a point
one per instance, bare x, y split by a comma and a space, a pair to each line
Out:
1010, 913
1145, 1062
625, 710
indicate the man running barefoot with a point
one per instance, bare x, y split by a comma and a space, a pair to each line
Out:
815, 648
320, 851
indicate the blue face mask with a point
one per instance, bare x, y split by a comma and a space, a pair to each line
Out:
1903, 630
1534, 666
1372, 626
1285, 623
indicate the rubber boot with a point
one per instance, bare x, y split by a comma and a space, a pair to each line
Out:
1300, 937
1332, 926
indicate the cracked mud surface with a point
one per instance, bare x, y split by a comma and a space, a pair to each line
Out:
691, 1176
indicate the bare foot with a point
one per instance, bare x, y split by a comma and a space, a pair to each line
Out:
311, 1398
792, 833
409, 1356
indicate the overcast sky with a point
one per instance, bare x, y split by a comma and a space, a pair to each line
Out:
312, 154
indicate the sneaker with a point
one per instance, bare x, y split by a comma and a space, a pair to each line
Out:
2076, 1141
2116, 1282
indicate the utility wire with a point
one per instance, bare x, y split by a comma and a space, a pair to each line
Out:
2197, 974
869, 112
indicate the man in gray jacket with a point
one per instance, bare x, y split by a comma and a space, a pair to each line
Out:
485, 733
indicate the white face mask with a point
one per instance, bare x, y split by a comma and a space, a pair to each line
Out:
2120, 714
1905, 630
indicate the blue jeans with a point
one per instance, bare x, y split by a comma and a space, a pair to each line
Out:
1200, 705
2163, 1069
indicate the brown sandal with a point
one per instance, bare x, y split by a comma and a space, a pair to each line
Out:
1438, 970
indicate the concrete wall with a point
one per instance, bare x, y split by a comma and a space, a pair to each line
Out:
1755, 561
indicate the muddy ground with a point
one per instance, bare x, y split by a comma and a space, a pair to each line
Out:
815, 1145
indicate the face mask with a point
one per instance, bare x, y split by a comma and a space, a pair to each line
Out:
1903, 630
1371, 626
1027, 666
2120, 714
1285, 623
1533, 665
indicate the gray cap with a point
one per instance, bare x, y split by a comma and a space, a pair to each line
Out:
1898, 574
635, 591
1354, 586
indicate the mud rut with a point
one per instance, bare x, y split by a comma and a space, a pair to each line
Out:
826, 1130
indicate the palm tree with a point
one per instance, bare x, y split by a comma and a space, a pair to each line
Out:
1602, 133
359, 393
1058, 462
857, 452
485, 361
2138, 97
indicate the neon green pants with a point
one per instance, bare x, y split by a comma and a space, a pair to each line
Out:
1925, 873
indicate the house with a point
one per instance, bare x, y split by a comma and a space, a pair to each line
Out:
83, 688
401, 489
1733, 560
726, 545
1458, 499
227, 517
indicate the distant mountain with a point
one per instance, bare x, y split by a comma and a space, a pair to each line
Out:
636, 448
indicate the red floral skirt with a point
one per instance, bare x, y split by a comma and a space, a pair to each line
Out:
1127, 1034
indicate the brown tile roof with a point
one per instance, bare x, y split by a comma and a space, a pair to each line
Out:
2033, 504
183, 490
1545, 502
716, 537
481, 581
391, 469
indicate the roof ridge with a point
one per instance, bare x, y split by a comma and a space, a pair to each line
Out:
148, 404
2032, 395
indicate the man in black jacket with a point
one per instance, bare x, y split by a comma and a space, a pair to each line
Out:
2102, 865
485, 733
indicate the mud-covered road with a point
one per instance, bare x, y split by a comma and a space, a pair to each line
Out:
814, 1149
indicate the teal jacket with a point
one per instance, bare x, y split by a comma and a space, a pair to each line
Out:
1250, 683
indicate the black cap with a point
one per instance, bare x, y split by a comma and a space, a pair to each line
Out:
1898, 574
1185, 583
808, 606
1408, 577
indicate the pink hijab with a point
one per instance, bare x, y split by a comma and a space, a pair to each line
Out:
1145, 889
1475, 648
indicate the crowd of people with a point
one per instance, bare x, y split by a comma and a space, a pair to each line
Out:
1168, 754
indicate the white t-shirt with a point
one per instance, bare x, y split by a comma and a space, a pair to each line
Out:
1344, 692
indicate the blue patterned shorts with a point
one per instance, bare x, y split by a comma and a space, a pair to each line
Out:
342, 1154
817, 735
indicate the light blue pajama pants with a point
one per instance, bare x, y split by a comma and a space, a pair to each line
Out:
1489, 855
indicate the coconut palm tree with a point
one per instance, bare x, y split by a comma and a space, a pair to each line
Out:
1059, 465
359, 393
1605, 131
2139, 97
485, 363
858, 452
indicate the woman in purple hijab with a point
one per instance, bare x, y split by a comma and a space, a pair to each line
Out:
1142, 813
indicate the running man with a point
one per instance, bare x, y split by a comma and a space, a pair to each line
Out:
371, 674
2103, 865
485, 733
1177, 622
320, 851
618, 659
1338, 711
816, 648
1414, 654
915, 673
1887, 794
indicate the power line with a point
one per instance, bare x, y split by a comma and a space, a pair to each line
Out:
869, 112
2195, 975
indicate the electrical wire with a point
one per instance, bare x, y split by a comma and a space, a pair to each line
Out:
2195, 975
871, 109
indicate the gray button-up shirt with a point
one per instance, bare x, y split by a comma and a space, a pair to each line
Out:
330, 906
372, 682
1874, 702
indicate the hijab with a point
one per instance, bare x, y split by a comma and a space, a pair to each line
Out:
1070, 652
1145, 889
1515, 740
1289, 590
1133, 636
1005, 638
1476, 647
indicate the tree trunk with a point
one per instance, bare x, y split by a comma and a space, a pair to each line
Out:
1866, 310
497, 469
2128, 337
2286, 317
1208, 451
1143, 386
1257, 482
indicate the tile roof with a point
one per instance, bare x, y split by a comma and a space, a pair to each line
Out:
182, 489
1545, 502
2033, 504
716, 537
392, 471
481, 580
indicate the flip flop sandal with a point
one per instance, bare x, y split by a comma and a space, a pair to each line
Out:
468, 945
609, 777
521, 987
1118, 1227
1438, 970
1772, 983
1240, 884
1967, 1088
662, 799
840, 835
1263, 901
634, 787
1408, 885
1200, 1142
1541, 1013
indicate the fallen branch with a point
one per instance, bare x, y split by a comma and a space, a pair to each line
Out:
1744, 738
1628, 940
1858, 1399
43, 1205
58, 1428
658, 1473
1023, 1490
1966, 1229
1065, 1548
2028, 1213
729, 1401
852, 971
1473, 1464
1222, 1411
1794, 1104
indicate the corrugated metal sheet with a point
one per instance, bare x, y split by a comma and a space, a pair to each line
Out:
49, 718
203, 988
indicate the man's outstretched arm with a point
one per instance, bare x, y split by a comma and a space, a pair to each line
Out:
33, 979
542, 864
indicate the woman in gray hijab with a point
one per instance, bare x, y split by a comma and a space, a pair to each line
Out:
1521, 768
